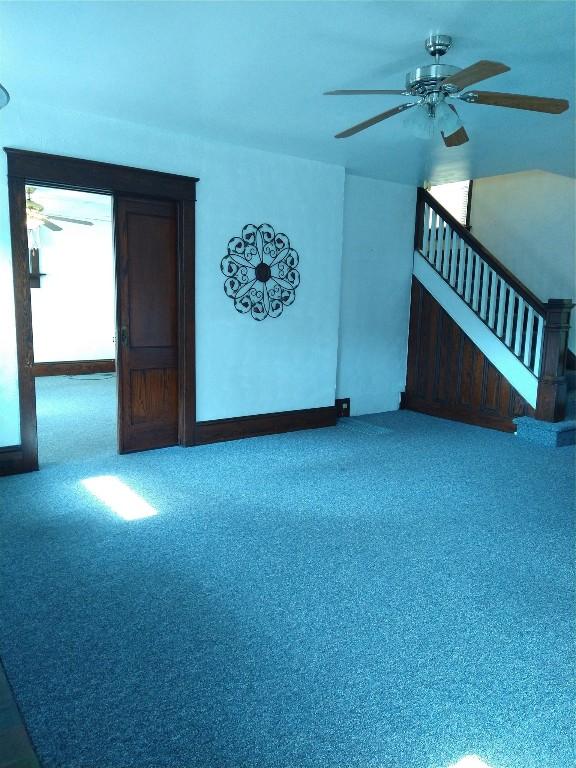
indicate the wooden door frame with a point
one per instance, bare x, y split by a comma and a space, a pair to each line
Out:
39, 169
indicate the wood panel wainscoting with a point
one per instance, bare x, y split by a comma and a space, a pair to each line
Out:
73, 367
448, 376
264, 424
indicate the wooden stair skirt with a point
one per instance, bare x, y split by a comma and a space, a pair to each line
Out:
448, 376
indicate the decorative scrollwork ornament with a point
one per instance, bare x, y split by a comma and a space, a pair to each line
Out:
260, 271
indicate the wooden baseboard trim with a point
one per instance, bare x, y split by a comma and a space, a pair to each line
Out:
460, 414
73, 367
12, 461
264, 424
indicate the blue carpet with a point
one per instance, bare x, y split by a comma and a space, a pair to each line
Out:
76, 417
326, 599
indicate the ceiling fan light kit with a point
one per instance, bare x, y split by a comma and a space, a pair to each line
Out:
433, 116
431, 85
420, 123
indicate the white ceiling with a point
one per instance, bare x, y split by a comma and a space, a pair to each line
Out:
253, 73
76, 205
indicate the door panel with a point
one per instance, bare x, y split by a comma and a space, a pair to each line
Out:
147, 286
152, 280
153, 393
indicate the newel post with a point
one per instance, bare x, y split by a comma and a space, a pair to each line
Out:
552, 388
419, 224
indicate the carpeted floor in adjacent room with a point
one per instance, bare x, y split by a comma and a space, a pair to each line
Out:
395, 592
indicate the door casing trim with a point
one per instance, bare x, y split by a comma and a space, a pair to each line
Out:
26, 167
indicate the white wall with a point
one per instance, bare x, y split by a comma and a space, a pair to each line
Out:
73, 312
243, 367
527, 220
9, 413
375, 294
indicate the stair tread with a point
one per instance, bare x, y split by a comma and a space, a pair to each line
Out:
559, 434
527, 422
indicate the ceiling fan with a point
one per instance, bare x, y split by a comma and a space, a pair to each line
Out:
432, 85
36, 217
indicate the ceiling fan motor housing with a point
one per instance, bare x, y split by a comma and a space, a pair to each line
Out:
428, 79
423, 80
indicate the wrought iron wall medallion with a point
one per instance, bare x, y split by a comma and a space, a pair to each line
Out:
260, 270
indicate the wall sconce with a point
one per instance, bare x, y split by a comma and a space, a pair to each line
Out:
35, 273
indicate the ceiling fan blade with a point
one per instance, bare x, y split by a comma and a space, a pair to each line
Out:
50, 225
455, 139
71, 221
482, 70
458, 137
373, 120
365, 93
516, 101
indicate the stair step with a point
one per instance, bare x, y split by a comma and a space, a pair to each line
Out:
551, 434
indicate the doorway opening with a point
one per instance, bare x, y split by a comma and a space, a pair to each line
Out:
72, 282
153, 235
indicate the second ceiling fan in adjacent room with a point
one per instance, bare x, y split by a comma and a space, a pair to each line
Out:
36, 215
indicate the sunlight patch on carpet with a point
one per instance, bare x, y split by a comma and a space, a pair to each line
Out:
470, 761
119, 497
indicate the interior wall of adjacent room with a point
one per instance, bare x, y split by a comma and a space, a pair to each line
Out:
528, 220
454, 197
375, 293
73, 312
9, 407
243, 367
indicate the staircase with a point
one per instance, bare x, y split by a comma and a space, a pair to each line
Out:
482, 347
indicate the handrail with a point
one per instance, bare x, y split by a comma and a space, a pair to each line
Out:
425, 197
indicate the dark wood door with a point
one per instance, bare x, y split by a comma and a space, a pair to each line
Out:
147, 295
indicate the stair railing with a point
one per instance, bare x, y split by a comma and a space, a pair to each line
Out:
534, 331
